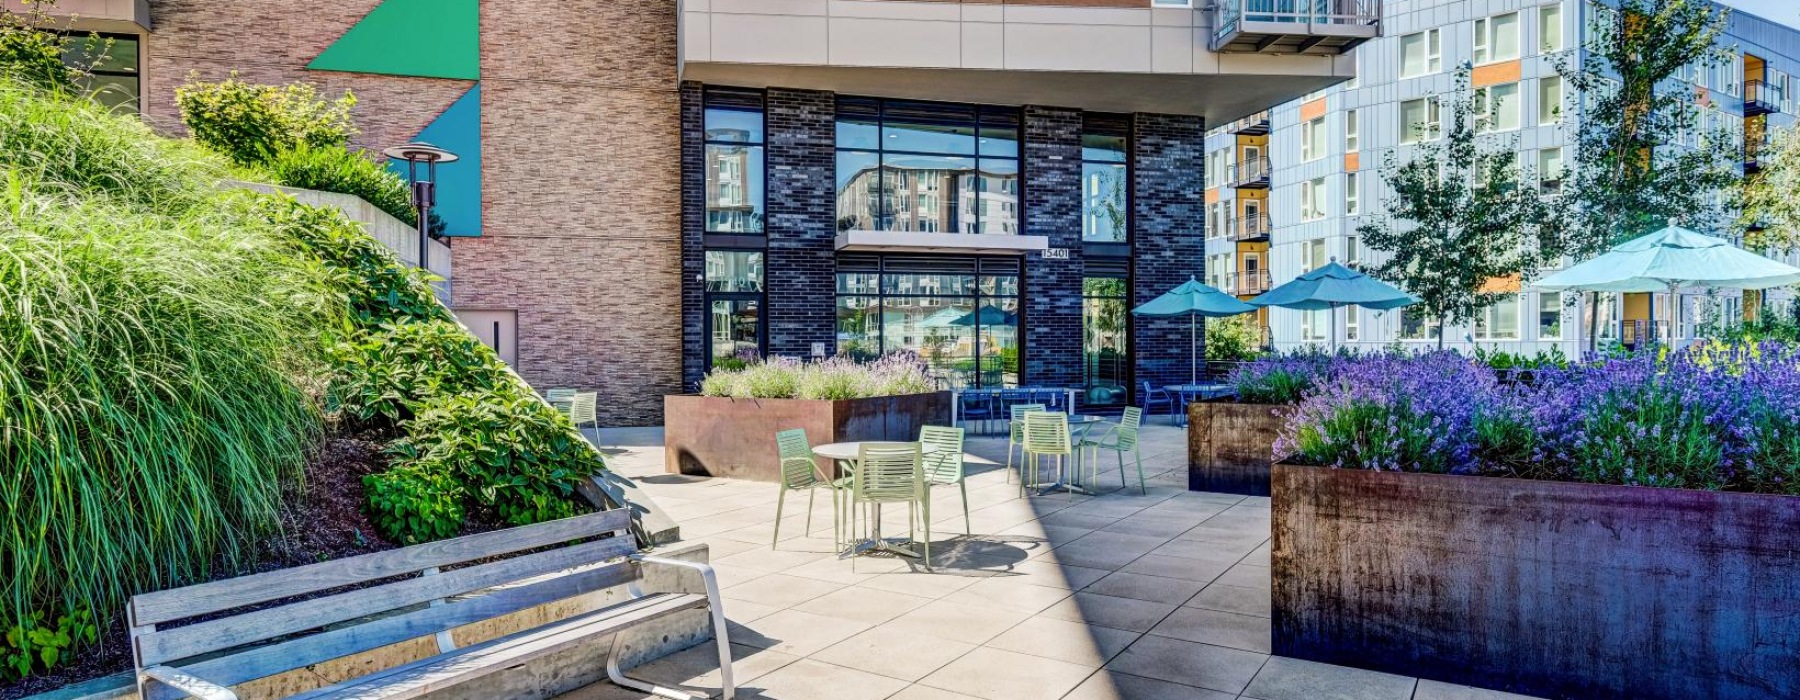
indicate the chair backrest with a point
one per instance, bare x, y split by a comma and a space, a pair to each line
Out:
584, 407
799, 469
1128, 428
1019, 411
554, 395
1047, 432
945, 465
889, 471
232, 645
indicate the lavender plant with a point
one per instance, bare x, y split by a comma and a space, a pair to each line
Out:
1284, 379
835, 378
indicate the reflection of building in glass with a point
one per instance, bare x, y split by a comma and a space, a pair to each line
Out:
728, 203
930, 200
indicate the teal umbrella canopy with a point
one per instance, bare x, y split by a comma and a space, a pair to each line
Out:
1333, 286
1670, 258
1193, 298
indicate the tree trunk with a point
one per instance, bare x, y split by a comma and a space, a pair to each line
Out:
1593, 322
1442, 328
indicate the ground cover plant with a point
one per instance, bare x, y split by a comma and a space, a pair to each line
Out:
836, 378
1713, 416
1284, 378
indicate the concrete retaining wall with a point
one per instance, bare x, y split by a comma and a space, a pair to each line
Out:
553, 675
1559, 590
1229, 446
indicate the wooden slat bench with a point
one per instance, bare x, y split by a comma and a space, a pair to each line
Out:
253, 627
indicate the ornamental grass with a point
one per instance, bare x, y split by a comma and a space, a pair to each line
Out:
837, 378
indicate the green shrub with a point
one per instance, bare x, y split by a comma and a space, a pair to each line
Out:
416, 504
31, 52
384, 374
511, 453
251, 124
376, 286
35, 645
1233, 339
345, 171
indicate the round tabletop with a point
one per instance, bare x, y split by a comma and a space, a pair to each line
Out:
1085, 419
852, 451
1192, 388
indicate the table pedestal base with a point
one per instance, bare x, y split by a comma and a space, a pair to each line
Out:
877, 545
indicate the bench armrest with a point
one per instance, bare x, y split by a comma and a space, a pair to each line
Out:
193, 685
717, 609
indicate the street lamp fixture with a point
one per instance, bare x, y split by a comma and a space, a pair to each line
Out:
424, 191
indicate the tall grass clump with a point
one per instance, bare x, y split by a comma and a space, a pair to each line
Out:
152, 345
836, 378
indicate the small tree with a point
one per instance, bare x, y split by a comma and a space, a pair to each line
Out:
1770, 209
251, 123
1458, 217
1635, 165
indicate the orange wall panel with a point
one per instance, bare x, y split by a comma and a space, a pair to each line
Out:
1312, 110
1495, 74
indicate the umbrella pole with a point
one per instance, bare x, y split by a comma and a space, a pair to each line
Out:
1193, 349
1334, 310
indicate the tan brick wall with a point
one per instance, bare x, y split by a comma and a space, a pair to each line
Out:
581, 178
581, 138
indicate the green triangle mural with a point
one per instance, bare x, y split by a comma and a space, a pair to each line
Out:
419, 38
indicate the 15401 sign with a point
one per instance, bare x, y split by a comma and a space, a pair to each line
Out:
1054, 253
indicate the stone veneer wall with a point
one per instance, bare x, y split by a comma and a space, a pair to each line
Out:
1052, 288
1168, 184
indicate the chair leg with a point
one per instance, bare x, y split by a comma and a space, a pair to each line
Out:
779, 502
812, 497
1139, 456
1009, 459
968, 529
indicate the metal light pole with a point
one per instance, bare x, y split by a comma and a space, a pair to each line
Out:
424, 192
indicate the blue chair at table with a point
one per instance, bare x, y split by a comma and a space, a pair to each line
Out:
976, 405
1150, 398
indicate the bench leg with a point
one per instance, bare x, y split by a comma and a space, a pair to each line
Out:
714, 606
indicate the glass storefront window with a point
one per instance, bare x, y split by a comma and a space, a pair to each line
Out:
927, 167
109, 68
734, 271
734, 161
1105, 183
735, 329
1105, 326
964, 326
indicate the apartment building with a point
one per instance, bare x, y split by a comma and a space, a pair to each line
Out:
647, 187
1326, 149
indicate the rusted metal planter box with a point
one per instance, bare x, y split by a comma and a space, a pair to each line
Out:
1542, 588
1229, 446
716, 436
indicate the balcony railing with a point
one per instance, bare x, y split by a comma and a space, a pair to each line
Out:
1325, 27
1761, 98
1252, 283
1253, 173
1254, 125
1252, 228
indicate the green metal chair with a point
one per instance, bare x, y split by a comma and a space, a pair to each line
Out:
799, 471
1046, 435
1120, 439
1017, 436
584, 410
893, 472
944, 467
556, 395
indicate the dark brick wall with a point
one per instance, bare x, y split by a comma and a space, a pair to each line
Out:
1053, 209
801, 221
693, 234
1169, 238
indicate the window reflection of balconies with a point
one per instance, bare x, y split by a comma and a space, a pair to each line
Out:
929, 200
1251, 174
1254, 125
1761, 98
1318, 27
1251, 229
1252, 282
1754, 146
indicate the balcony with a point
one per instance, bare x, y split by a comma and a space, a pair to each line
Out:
1294, 27
1254, 282
1252, 229
1251, 174
1761, 98
1254, 125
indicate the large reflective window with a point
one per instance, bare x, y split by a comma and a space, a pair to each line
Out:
964, 326
108, 65
927, 167
1105, 325
1105, 180
734, 271
735, 329
734, 161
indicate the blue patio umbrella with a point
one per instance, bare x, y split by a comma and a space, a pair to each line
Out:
1332, 286
1193, 300
1666, 260
987, 315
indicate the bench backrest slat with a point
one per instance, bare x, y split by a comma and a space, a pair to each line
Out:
177, 643
180, 603
272, 659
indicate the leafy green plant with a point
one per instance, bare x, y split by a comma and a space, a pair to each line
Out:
31, 51
511, 452
376, 286
416, 504
384, 374
35, 645
252, 124
1232, 339
346, 171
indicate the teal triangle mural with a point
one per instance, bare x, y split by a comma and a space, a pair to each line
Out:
419, 38
457, 130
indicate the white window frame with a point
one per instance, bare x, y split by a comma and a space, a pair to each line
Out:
1483, 329
1486, 113
1351, 322
1352, 195
1543, 174
1312, 196
1433, 125
1171, 3
1352, 139
1432, 53
1312, 140
1549, 113
1486, 51
1549, 16
1562, 318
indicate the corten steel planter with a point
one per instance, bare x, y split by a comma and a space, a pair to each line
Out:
1552, 589
1229, 446
717, 436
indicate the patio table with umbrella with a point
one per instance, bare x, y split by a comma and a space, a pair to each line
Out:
1332, 286
1193, 300
1668, 259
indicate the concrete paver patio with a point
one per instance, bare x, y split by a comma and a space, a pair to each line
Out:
1161, 595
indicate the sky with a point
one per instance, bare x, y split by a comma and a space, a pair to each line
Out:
1784, 11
